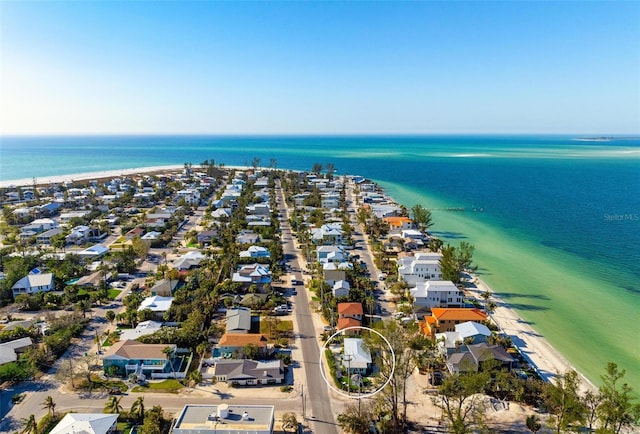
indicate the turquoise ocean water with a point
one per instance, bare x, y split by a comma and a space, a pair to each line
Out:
556, 222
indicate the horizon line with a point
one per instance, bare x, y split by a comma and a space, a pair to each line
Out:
328, 134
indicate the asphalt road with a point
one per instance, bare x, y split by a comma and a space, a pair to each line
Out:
319, 412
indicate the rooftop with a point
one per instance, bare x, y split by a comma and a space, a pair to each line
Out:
207, 419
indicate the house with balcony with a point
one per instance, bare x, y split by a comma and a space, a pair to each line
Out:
419, 267
436, 293
132, 357
445, 319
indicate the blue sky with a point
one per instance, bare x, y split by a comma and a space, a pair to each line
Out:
319, 67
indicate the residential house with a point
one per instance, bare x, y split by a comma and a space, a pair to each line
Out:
259, 209
256, 252
326, 254
235, 342
36, 227
221, 214
341, 288
471, 358
190, 195
142, 329
188, 261
157, 304
328, 233
165, 287
82, 234
350, 315
247, 237
66, 217
437, 293
244, 372
253, 274
130, 356
33, 283
356, 359
238, 320
419, 267
225, 419
473, 332
330, 201
444, 319
206, 237
468, 332
93, 253
398, 222
86, 423
332, 271
45, 238
9, 351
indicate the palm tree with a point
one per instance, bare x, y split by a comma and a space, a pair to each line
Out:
168, 353
113, 405
30, 425
137, 409
50, 405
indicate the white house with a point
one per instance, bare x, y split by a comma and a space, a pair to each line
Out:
326, 254
86, 423
341, 288
330, 200
156, 303
255, 252
33, 283
190, 195
357, 359
225, 419
329, 233
419, 268
437, 293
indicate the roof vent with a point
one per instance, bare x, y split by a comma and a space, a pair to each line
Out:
223, 411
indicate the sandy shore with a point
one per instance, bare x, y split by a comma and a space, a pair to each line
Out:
547, 360
88, 176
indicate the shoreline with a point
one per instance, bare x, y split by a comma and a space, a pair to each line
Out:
87, 176
535, 348
547, 360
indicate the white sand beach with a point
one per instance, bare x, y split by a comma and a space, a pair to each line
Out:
547, 360
87, 176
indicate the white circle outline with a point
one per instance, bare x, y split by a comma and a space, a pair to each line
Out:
340, 392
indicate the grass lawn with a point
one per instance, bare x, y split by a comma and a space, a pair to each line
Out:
166, 386
99, 383
281, 328
113, 293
